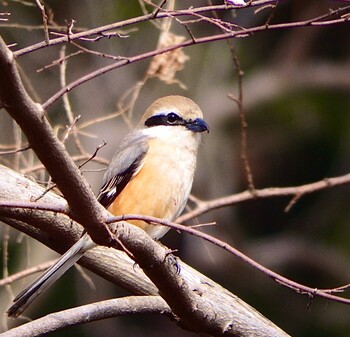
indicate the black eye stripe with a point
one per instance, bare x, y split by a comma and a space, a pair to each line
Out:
169, 119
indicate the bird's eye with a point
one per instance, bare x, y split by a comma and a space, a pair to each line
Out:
172, 118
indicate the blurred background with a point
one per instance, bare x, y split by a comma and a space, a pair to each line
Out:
296, 96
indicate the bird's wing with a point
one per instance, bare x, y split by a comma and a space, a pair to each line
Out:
125, 164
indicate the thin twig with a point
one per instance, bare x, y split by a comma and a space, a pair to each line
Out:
299, 288
239, 101
24, 148
93, 155
206, 39
44, 17
164, 14
27, 272
271, 192
76, 158
59, 61
155, 13
66, 104
50, 186
274, 8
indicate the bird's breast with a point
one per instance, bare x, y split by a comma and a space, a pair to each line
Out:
161, 187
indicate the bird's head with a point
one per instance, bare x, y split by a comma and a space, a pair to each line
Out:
175, 111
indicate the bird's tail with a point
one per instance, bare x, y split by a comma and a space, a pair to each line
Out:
44, 281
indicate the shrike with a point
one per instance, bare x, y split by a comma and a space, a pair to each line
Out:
150, 174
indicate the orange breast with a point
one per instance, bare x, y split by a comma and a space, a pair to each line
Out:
157, 190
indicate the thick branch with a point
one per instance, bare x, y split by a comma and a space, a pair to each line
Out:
32, 119
207, 306
62, 232
90, 313
200, 304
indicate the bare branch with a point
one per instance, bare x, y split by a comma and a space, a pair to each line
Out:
34, 206
76, 158
70, 116
32, 120
44, 17
93, 155
26, 272
222, 309
271, 192
179, 291
59, 61
185, 12
24, 148
244, 124
90, 313
196, 301
238, 33
299, 288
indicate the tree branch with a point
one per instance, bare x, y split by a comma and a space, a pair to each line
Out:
245, 32
90, 313
132, 21
218, 310
270, 192
31, 118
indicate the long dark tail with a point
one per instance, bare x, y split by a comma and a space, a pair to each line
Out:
44, 281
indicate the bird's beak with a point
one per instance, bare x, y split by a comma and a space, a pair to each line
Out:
197, 125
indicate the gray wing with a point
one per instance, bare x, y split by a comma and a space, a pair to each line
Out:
125, 164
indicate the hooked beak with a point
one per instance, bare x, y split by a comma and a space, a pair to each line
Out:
197, 125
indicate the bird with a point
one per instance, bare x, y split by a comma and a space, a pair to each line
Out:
151, 173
